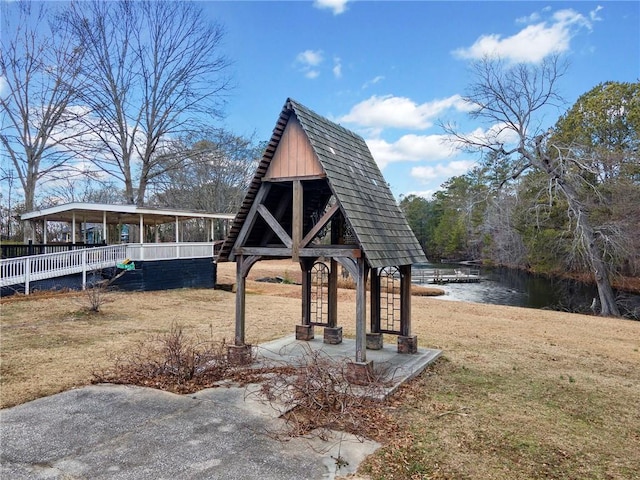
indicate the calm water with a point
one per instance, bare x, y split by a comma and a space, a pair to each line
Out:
502, 286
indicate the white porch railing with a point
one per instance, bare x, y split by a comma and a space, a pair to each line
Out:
24, 270
167, 251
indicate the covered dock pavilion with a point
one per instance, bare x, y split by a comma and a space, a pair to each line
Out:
107, 214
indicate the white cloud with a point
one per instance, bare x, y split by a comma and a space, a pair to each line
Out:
337, 67
534, 42
311, 58
446, 170
338, 6
426, 194
308, 60
401, 112
593, 14
534, 17
373, 81
411, 148
494, 135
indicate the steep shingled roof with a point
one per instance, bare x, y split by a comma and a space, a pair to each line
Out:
357, 184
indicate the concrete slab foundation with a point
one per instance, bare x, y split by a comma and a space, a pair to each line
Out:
390, 366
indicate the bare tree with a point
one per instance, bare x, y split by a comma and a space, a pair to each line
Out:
510, 98
39, 67
153, 71
215, 174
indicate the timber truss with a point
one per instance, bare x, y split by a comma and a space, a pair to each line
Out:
301, 219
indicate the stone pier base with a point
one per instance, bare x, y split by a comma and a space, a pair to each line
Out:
239, 354
408, 344
304, 332
333, 335
374, 341
360, 373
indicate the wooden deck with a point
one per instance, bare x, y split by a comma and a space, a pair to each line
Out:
444, 276
29, 269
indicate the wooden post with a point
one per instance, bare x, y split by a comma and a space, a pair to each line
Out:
332, 312
407, 343
361, 319
305, 330
240, 301
297, 219
306, 266
374, 338
405, 300
375, 300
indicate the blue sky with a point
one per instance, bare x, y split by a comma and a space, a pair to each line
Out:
391, 70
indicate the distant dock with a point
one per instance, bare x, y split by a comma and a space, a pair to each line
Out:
443, 276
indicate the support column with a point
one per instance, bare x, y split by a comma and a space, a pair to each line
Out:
305, 330
407, 343
374, 338
332, 332
240, 301
361, 319
297, 219
361, 371
105, 232
239, 352
44, 231
332, 313
73, 228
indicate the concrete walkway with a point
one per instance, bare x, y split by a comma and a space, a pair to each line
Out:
122, 432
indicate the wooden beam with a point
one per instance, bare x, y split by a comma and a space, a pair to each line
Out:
319, 226
291, 179
349, 252
297, 219
243, 265
332, 289
240, 303
285, 200
361, 320
405, 300
250, 220
275, 226
375, 300
306, 266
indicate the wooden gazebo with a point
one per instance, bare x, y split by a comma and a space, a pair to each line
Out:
319, 198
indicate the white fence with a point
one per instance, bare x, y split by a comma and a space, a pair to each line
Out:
24, 270
167, 251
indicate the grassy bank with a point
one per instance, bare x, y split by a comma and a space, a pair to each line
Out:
520, 393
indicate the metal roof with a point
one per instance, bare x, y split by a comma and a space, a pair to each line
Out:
114, 214
357, 184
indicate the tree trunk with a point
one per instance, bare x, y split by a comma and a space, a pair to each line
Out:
598, 266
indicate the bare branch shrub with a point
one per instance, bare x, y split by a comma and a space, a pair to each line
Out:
94, 296
318, 397
179, 363
172, 361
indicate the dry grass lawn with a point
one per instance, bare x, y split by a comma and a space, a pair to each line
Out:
520, 393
